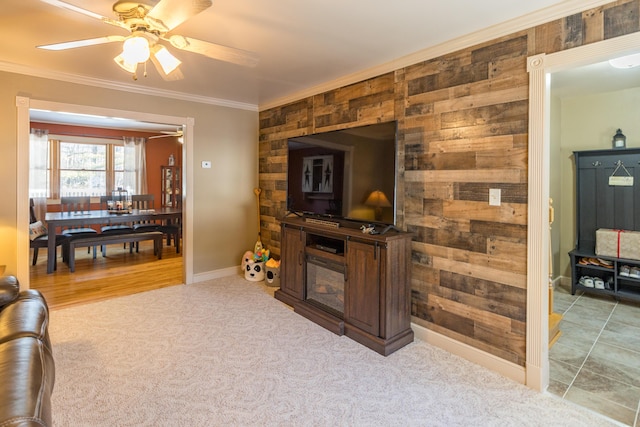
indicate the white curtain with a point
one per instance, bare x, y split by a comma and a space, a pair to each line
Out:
38, 159
135, 165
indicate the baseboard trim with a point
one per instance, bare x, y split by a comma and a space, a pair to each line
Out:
216, 274
479, 357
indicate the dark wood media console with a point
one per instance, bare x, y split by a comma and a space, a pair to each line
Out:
348, 282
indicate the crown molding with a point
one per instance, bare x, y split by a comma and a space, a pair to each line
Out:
130, 88
512, 26
561, 10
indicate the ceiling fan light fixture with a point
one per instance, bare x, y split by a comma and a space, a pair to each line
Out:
167, 61
629, 61
148, 22
125, 65
136, 49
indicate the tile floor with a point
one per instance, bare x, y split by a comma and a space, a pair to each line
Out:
596, 361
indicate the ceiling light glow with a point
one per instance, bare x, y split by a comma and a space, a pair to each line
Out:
167, 61
629, 61
126, 65
135, 50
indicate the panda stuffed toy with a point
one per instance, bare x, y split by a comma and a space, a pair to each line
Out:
253, 271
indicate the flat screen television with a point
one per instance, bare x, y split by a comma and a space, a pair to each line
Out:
346, 174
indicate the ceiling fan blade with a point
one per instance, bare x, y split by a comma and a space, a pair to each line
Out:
215, 51
82, 43
168, 14
176, 134
65, 5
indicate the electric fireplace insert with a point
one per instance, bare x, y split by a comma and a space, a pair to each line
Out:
325, 284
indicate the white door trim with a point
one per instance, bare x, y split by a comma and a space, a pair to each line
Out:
540, 68
24, 104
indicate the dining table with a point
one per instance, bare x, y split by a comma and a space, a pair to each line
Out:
56, 221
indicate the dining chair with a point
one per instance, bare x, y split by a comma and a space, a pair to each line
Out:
172, 231
112, 228
41, 237
144, 202
74, 205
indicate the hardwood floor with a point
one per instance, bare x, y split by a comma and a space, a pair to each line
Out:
119, 273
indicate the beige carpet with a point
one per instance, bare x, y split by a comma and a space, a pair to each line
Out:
226, 353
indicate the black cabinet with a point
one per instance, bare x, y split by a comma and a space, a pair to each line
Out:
603, 202
617, 275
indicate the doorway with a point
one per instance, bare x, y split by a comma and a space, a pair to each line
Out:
540, 68
24, 105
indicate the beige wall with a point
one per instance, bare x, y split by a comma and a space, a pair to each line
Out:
223, 198
589, 123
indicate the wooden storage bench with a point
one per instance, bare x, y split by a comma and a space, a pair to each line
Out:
109, 239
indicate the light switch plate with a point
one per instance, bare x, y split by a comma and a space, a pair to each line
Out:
494, 197
206, 164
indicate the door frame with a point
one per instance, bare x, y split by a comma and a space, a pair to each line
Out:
24, 104
540, 68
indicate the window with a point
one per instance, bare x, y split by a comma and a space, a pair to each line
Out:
118, 167
85, 166
83, 169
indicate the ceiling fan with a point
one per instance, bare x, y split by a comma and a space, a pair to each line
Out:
149, 22
177, 134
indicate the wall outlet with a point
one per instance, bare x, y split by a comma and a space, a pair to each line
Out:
494, 197
206, 164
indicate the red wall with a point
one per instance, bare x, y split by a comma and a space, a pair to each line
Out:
157, 150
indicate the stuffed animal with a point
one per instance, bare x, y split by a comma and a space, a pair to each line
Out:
248, 256
253, 264
261, 255
272, 274
273, 263
254, 271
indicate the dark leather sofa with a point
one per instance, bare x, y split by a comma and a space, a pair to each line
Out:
27, 371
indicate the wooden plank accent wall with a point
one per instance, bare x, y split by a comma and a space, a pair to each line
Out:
462, 129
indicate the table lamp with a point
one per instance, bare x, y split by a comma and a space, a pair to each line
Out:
378, 200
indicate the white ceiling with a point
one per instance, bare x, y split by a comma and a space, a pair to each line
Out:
594, 78
301, 44
304, 46
90, 120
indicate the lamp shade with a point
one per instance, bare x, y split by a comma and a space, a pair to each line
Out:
167, 61
125, 65
135, 49
378, 199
